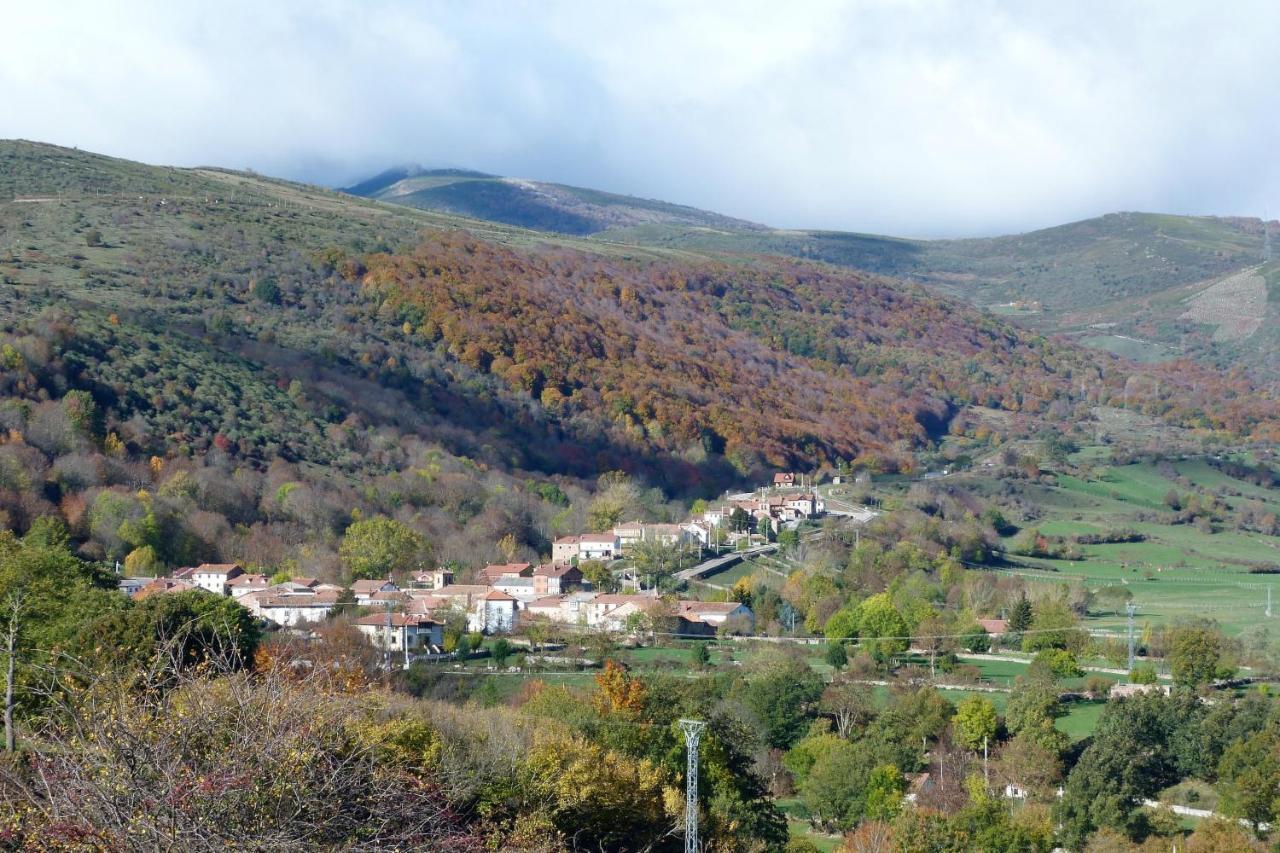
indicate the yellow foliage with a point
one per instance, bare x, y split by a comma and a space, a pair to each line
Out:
407, 741
597, 793
619, 692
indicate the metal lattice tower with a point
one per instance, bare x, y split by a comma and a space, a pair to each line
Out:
692, 734
1130, 607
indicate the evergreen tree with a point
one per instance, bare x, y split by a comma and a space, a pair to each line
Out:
1020, 618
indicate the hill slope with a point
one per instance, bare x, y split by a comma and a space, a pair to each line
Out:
531, 204
283, 357
1048, 280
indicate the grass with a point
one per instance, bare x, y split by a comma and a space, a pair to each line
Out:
1081, 718
1179, 570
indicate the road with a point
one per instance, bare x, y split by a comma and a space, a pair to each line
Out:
715, 564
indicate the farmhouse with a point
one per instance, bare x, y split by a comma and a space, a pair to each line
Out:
492, 574
245, 584
552, 579
365, 590
214, 577
587, 546
292, 607
408, 632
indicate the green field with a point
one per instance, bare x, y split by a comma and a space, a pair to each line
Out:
1179, 570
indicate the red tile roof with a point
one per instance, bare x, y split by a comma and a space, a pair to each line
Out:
550, 570
162, 585
217, 568
492, 573
369, 586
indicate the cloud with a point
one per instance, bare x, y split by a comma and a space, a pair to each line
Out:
928, 118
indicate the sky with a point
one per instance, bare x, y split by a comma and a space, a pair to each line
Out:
918, 118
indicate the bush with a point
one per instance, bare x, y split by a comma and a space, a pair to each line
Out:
1098, 686
1059, 663
1143, 673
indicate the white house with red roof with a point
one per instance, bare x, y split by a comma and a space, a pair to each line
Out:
215, 577
587, 546
292, 606
365, 590
708, 616
245, 584
494, 613
408, 632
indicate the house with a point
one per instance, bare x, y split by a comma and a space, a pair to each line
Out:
807, 505
784, 481
612, 611
550, 607
491, 574
291, 608
407, 633
667, 534
596, 546
587, 546
425, 605
698, 532
365, 590
628, 534
245, 584
494, 613
568, 609
552, 579
461, 594
131, 585
566, 549
160, 586
432, 578
995, 628
715, 614
214, 577
520, 588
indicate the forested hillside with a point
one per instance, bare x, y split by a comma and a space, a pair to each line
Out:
216, 365
1119, 282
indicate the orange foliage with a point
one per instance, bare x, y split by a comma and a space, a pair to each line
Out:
618, 691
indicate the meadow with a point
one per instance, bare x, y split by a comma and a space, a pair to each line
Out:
1178, 570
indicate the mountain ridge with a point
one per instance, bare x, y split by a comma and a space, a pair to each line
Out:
1040, 279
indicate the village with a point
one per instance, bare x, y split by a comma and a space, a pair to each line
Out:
408, 616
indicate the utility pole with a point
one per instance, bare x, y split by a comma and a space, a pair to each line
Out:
386, 644
1130, 607
692, 734
986, 770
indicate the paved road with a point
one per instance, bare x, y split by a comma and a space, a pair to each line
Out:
715, 564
